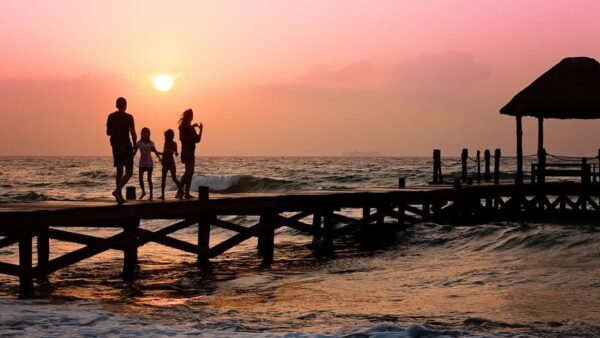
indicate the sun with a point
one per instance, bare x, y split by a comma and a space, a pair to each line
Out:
163, 82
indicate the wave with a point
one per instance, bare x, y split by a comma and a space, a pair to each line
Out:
240, 183
74, 319
30, 196
96, 174
575, 241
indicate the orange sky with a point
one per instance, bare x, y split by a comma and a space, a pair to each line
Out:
288, 77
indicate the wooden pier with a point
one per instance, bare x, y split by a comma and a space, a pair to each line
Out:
322, 215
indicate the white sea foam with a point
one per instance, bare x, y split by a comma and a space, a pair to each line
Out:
87, 319
238, 183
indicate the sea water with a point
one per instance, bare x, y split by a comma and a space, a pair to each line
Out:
502, 279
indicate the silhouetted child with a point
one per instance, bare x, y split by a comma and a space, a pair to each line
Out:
146, 148
168, 161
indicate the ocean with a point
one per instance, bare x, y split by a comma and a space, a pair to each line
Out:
501, 279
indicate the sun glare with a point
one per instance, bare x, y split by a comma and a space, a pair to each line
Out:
163, 82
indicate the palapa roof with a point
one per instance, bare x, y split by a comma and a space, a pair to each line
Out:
569, 90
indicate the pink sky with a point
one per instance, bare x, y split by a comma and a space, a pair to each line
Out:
288, 77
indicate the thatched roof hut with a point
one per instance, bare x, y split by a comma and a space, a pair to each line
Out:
569, 90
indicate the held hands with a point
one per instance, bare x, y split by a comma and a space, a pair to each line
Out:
198, 125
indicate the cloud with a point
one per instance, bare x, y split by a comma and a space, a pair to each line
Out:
356, 71
438, 74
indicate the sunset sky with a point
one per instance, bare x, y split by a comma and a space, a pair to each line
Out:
288, 77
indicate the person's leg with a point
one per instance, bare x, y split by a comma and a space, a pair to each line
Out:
189, 168
150, 183
118, 178
118, 193
141, 179
163, 182
119, 175
173, 170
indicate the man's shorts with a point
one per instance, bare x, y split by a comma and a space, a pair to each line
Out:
123, 156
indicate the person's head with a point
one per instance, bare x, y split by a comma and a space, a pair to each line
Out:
121, 104
145, 134
186, 118
169, 136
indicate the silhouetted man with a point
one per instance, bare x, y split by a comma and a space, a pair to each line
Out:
119, 126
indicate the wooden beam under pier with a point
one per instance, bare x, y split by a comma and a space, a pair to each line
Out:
470, 204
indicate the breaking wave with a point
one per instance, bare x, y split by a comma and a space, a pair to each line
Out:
241, 183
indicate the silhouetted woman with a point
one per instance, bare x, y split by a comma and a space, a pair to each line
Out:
188, 138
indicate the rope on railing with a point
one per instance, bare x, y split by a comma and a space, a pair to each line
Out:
571, 158
451, 165
524, 156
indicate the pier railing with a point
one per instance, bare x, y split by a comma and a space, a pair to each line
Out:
465, 161
586, 169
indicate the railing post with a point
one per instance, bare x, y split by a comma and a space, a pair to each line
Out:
497, 154
401, 183
437, 166
486, 158
203, 254
585, 171
130, 193
464, 157
478, 166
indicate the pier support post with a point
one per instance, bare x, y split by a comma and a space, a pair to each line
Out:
266, 238
464, 156
426, 212
25, 265
401, 183
380, 215
202, 257
401, 213
328, 225
43, 252
130, 254
497, 155
366, 214
317, 230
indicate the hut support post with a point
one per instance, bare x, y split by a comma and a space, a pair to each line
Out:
541, 166
519, 179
